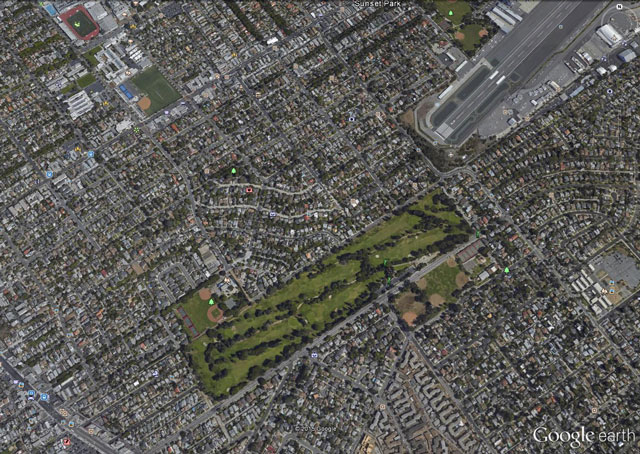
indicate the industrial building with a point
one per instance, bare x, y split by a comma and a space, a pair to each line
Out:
627, 55
576, 92
609, 35
504, 17
503, 25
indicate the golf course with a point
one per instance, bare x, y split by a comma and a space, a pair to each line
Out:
229, 353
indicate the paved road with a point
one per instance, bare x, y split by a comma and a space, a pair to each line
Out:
517, 57
450, 394
60, 202
396, 284
77, 431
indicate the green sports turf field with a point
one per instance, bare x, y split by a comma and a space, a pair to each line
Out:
81, 23
153, 84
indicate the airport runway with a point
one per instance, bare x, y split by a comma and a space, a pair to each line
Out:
520, 53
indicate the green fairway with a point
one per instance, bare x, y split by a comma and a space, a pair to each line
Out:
81, 23
395, 226
458, 7
153, 84
262, 335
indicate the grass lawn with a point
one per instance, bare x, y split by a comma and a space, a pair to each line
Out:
215, 312
81, 23
471, 36
237, 373
86, 80
458, 7
78, 84
409, 243
441, 280
395, 226
321, 312
153, 84
91, 55
310, 286
197, 311
328, 292
411, 240
68, 88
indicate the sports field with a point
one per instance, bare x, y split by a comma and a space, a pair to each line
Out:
470, 36
458, 9
441, 282
151, 83
81, 23
266, 333
197, 310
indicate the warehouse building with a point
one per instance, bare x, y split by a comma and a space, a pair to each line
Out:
609, 35
627, 55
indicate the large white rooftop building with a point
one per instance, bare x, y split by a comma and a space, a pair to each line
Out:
609, 35
79, 104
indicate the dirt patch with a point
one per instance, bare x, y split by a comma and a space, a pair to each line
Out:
459, 36
482, 33
214, 314
407, 118
409, 307
451, 262
144, 103
405, 301
436, 300
461, 279
422, 283
614, 298
204, 294
409, 317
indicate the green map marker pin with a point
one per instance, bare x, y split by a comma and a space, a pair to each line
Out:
388, 280
506, 270
385, 262
477, 233
233, 171
211, 302
450, 13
